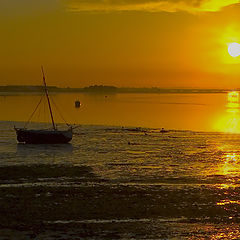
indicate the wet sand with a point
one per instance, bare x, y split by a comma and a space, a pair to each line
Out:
93, 208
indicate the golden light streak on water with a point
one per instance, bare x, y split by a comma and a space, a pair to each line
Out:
233, 102
233, 97
226, 202
226, 235
230, 121
231, 165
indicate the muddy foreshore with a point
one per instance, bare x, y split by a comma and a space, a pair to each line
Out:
43, 201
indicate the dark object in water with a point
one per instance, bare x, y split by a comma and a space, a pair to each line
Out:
77, 104
137, 129
44, 136
163, 130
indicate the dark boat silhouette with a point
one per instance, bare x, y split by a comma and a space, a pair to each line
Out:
44, 136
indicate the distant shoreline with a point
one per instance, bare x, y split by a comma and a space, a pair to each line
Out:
100, 89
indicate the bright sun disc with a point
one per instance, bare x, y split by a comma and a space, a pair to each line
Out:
234, 49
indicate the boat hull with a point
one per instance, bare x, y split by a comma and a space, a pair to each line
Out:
43, 136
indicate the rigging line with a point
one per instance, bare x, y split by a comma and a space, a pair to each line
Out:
39, 113
45, 119
59, 111
33, 112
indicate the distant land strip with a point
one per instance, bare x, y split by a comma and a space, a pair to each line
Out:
102, 89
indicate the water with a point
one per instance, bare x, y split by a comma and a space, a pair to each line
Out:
199, 112
115, 182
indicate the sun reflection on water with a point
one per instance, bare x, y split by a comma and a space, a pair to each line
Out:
228, 169
233, 102
230, 122
228, 234
227, 202
231, 164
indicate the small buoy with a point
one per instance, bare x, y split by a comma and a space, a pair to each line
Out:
77, 104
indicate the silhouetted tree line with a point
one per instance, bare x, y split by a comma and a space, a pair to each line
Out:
106, 89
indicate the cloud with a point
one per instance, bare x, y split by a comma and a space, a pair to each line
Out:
193, 6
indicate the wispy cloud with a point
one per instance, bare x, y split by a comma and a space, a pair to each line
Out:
193, 6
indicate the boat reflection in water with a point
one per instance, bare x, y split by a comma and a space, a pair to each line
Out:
47, 153
41, 148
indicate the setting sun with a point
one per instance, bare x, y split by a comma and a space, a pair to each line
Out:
234, 49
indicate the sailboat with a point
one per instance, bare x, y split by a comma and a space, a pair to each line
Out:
44, 136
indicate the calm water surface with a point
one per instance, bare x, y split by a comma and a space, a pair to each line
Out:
207, 112
115, 182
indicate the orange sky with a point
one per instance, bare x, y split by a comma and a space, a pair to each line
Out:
135, 43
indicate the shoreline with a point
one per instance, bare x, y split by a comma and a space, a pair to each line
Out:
100, 89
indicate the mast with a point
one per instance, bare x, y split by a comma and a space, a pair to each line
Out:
49, 105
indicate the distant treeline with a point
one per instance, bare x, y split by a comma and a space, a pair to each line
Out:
105, 89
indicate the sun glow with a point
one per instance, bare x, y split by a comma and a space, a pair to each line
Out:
234, 49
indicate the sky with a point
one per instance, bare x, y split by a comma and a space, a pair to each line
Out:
125, 43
